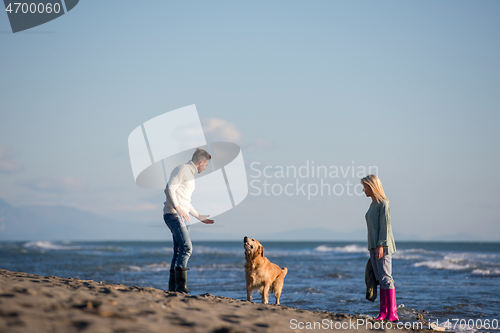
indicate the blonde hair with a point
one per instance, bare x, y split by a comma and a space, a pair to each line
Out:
376, 186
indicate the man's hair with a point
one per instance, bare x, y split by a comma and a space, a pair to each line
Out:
200, 155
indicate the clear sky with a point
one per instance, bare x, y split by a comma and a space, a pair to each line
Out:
411, 87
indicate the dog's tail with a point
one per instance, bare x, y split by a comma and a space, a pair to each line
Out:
284, 270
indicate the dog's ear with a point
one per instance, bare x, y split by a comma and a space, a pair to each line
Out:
261, 251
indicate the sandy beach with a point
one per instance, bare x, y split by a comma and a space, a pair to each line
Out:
34, 303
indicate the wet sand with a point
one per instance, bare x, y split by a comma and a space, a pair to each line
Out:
34, 303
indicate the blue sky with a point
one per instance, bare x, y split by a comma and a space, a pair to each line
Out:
408, 86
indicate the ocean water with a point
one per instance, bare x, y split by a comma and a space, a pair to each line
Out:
449, 281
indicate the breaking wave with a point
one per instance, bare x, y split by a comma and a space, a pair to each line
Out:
342, 249
65, 246
46, 245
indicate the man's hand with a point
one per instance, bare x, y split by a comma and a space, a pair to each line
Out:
182, 214
204, 219
380, 251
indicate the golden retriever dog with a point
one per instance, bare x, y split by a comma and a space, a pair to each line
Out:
260, 273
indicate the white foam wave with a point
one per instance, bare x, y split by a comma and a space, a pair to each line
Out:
163, 250
201, 249
221, 267
135, 268
159, 267
417, 251
478, 264
165, 266
442, 264
108, 249
213, 250
344, 249
412, 254
65, 245
46, 245
476, 259
240, 252
486, 272
401, 256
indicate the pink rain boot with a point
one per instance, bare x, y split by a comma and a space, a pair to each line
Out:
383, 304
392, 314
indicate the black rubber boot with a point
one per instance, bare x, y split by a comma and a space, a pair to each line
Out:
181, 280
171, 281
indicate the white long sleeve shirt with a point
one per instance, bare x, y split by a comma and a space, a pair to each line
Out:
179, 189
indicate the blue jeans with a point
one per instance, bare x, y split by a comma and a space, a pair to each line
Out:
382, 268
182, 243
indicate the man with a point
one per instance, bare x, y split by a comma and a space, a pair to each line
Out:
178, 191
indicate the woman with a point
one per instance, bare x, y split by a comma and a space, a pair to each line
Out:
381, 245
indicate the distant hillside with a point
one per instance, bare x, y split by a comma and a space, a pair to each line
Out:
63, 223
